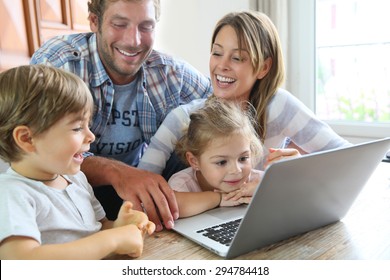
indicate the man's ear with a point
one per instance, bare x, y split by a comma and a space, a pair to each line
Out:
265, 68
93, 22
23, 138
192, 160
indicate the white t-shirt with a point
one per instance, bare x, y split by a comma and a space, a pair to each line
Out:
30, 208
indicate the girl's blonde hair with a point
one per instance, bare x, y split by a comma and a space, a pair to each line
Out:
257, 34
219, 118
37, 96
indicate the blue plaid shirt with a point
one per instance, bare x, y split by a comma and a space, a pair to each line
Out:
166, 82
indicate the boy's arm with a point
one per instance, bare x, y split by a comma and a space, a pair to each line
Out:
122, 240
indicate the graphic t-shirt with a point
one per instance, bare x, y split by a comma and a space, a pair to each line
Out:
122, 139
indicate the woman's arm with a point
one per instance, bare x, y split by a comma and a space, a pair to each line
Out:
163, 143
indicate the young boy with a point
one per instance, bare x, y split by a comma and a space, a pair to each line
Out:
47, 207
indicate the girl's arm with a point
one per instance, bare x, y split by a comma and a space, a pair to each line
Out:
122, 240
192, 203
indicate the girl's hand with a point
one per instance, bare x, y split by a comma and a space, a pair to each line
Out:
281, 154
229, 202
246, 190
128, 216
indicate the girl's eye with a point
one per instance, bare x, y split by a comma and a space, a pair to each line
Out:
78, 129
246, 158
222, 162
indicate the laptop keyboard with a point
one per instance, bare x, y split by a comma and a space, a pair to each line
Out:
222, 233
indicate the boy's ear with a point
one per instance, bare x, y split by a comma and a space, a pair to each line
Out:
23, 138
265, 68
192, 160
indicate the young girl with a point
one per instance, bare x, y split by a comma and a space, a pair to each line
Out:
246, 63
47, 208
221, 147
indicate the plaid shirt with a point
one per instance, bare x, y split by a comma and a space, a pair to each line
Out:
166, 83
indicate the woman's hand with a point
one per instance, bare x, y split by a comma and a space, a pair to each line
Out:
281, 154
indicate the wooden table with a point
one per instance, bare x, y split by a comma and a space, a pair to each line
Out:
363, 234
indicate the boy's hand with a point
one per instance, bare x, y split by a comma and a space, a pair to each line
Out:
127, 216
129, 240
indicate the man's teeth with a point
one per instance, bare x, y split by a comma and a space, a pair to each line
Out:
126, 53
225, 79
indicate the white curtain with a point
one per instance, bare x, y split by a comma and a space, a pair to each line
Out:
278, 11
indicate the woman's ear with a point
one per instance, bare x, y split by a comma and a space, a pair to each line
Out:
192, 160
265, 68
23, 138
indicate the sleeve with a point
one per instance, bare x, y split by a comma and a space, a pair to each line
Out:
17, 214
163, 143
181, 182
195, 84
292, 119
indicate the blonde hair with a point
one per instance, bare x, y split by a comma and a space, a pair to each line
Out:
219, 118
256, 33
37, 96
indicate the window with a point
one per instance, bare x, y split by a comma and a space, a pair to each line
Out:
339, 64
353, 60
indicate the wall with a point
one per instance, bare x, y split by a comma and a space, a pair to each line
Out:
185, 27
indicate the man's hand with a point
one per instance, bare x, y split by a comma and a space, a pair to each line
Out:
148, 192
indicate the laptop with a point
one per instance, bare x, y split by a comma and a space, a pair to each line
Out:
295, 196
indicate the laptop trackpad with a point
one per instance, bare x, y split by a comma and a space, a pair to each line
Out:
228, 213
209, 218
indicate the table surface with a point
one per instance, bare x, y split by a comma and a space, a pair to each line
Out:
364, 233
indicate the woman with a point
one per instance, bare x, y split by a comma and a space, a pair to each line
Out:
246, 63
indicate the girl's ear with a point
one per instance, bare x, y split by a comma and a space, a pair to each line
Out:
265, 68
23, 138
192, 160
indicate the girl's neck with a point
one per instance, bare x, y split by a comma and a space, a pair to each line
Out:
203, 184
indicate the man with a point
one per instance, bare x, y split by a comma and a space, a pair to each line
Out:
134, 87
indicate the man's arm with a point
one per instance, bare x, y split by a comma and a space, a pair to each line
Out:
135, 185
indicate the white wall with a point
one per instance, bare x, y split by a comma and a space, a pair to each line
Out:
185, 27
